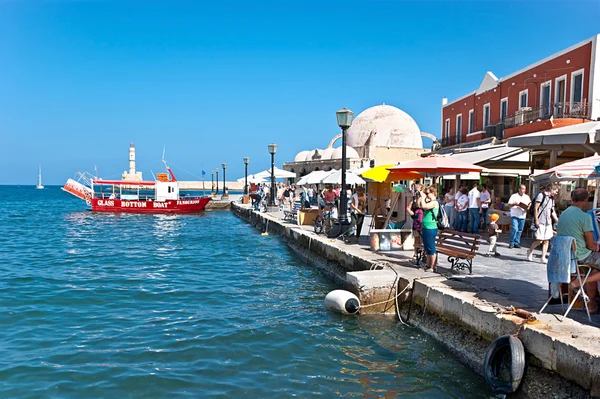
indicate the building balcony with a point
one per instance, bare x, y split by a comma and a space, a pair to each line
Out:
554, 111
530, 120
448, 141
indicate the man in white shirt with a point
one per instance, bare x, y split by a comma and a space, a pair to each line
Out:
519, 203
474, 209
486, 199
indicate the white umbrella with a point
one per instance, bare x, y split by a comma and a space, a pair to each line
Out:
336, 178
314, 177
251, 179
279, 174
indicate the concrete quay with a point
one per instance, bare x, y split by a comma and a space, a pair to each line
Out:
218, 203
464, 312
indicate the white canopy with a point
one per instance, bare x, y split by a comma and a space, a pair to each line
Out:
279, 174
251, 179
582, 137
314, 177
335, 177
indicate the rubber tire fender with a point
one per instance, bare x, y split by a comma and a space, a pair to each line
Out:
494, 356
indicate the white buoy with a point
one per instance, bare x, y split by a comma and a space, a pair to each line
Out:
342, 301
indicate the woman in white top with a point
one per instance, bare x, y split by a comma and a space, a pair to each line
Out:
449, 206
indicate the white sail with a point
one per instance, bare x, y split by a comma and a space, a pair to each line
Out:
39, 184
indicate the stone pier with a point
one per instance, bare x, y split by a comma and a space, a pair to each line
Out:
563, 358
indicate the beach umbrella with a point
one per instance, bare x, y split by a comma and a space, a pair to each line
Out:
436, 165
382, 174
314, 177
251, 179
585, 168
335, 177
279, 174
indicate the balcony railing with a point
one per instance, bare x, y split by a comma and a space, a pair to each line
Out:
545, 112
448, 141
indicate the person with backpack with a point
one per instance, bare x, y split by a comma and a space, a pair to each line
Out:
431, 208
544, 215
416, 214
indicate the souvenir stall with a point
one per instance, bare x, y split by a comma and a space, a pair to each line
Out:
390, 227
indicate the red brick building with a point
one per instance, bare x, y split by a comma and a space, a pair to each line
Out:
559, 90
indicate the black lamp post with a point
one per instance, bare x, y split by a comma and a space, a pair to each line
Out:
246, 162
217, 179
212, 181
272, 151
224, 165
344, 120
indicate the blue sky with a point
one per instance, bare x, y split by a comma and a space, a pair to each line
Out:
216, 81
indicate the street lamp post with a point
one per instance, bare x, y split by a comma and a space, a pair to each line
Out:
246, 162
225, 195
272, 151
217, 179
212, 181
344, 120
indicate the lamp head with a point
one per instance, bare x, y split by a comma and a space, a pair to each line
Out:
224, 165
246, 160
272, 148
344, 118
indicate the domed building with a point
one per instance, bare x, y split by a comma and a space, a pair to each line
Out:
379, 135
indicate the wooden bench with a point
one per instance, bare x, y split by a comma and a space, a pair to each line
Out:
293, 214
460, 248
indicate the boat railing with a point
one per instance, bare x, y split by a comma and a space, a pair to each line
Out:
108, 196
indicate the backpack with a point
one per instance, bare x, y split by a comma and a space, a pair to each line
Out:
543, 205
442, 218
418, 220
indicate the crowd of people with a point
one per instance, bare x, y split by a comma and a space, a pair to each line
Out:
467, 211
325, 199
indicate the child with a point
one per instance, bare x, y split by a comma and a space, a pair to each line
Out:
493, 232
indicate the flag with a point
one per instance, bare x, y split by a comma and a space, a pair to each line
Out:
203, 173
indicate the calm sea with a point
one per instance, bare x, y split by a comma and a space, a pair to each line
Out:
125, 306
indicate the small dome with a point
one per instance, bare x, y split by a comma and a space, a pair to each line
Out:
350, 153
327, 153
391, 127
314, 155
301, 156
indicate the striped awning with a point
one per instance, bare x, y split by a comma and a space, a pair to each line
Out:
584, 168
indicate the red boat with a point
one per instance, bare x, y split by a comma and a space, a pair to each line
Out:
135, 196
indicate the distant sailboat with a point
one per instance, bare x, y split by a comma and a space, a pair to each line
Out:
39, 185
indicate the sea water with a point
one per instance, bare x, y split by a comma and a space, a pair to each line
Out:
156, 306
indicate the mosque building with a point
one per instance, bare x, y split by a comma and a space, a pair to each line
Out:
379, 135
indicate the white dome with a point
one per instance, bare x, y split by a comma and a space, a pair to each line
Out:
350, 153
301, 156
318, 152
392, 126
327, 153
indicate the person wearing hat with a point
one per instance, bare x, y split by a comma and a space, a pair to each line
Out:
493, 232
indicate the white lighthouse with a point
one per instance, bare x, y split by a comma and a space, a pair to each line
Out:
132, 175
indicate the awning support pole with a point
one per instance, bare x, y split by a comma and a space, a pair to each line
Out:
553, 155
596, 194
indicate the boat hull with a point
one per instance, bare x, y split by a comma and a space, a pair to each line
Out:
187, 205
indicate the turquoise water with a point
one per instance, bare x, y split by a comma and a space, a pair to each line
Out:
140, 306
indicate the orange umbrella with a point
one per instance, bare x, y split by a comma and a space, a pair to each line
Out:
436, 165
401, 175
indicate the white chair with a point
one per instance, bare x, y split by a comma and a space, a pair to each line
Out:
562, 266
